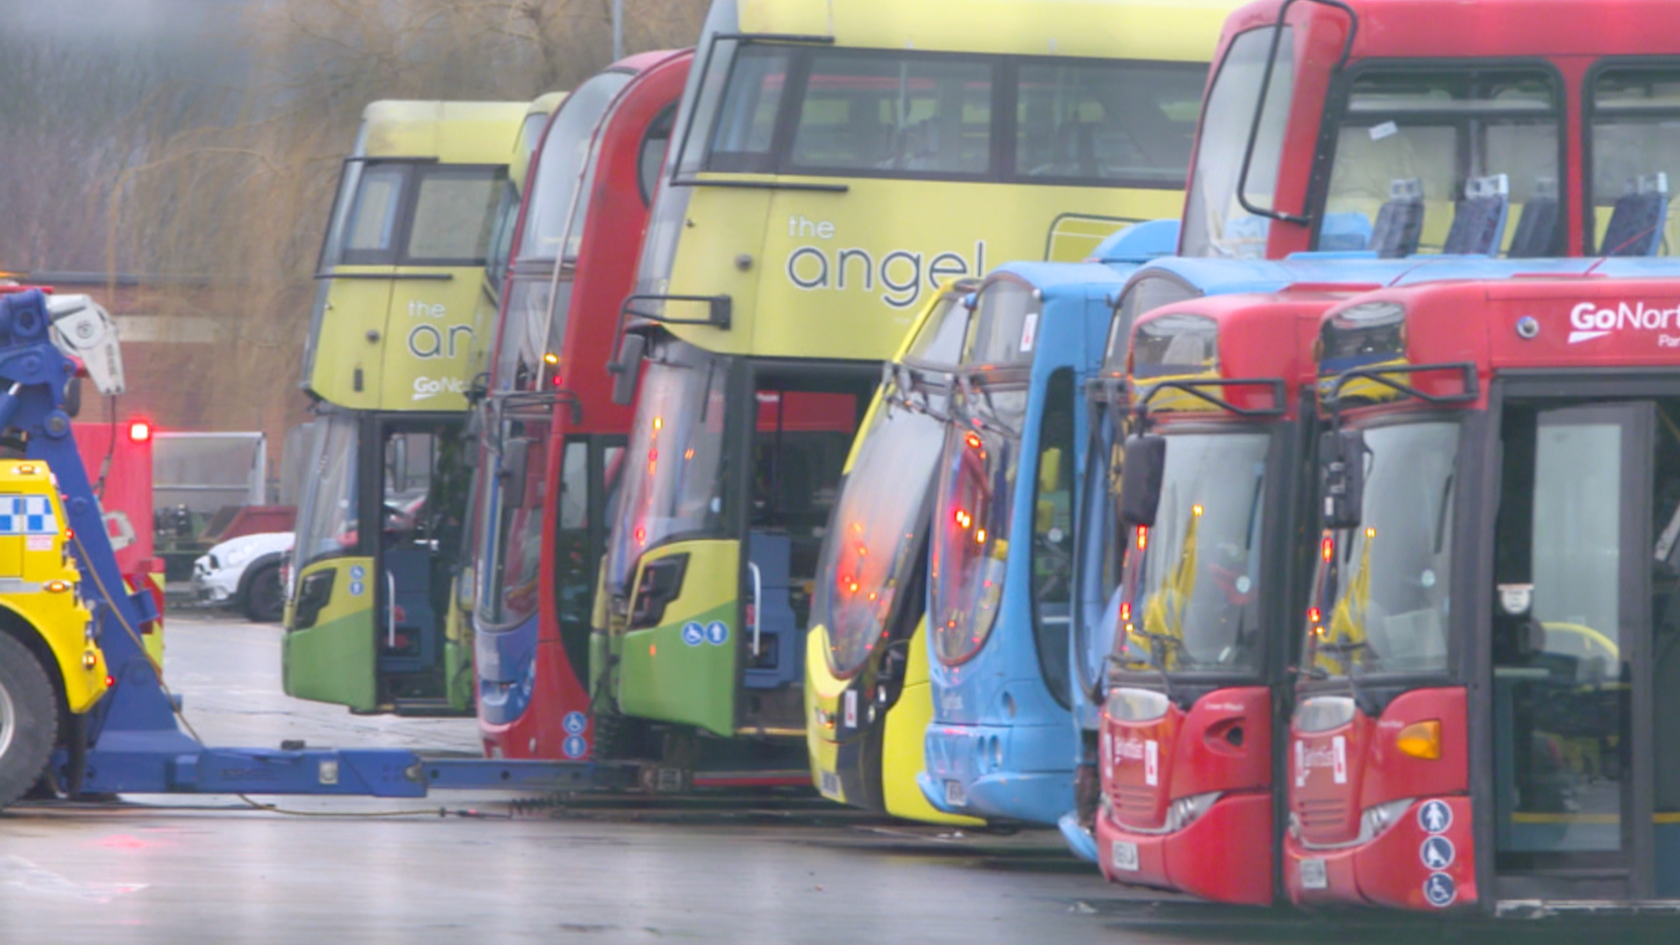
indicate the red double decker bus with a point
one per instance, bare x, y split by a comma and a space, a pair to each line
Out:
553, 437
1371, 124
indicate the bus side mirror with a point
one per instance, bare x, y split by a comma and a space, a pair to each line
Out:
627, 367
1341, 478
516, 452
1140, 479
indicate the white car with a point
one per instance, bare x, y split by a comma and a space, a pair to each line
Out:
244, 572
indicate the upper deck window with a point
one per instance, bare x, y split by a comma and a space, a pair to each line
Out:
373, 219
1409, 142
746, 124
405, 213
886, 111
1634, 136
559, 190
1127, 122
454, 211
1215, 221
806, 110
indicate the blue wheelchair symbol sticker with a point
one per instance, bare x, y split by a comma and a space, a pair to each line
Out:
357, 572
1437, 853
693, 633
717, 633
356, 588
1434, 817
574, 746
574, 723
1440, 890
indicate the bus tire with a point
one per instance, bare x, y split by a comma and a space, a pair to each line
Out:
28, 719
618, 737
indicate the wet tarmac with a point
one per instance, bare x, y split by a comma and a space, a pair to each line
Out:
496, 868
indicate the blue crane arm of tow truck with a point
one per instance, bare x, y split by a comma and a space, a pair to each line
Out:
131, 742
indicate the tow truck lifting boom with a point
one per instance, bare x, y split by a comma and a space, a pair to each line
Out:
131, 741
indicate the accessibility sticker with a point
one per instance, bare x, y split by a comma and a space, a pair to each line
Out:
693, 633
574, 723
717, 633
1440, 890
357, 572
356, 588
1434, 817
1437, 852
574, 746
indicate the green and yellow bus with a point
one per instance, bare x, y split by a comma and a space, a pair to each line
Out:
390, 361
833, 163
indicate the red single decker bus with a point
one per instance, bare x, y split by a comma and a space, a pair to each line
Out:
1487, 710
1211, 508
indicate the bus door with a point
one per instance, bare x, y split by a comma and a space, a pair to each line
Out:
799, 447
590, 469
421, 495
1586, 620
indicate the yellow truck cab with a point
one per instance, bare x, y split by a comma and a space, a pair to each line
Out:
51, 667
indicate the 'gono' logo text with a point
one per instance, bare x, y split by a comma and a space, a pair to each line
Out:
1587, 321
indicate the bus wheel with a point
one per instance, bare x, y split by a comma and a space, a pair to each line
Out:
28, 719
265, 599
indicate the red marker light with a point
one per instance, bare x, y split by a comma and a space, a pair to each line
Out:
140, 431
1125, 610
1327, 548
110, 681
1142, 537
973, 441
1313, 615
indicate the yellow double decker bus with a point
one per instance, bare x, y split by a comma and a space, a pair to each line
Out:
833, 163
390, 360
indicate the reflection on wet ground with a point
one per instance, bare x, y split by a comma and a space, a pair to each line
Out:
497, 868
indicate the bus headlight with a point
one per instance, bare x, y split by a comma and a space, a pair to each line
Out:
1377, 819
1185, 811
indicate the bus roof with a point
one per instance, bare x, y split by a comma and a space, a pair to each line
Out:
1173, 30
530, 133
1414, 28
449, 132
1224, 276
1581, 323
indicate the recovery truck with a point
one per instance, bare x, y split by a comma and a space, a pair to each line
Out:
80, 700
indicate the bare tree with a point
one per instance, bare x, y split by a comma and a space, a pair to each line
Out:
224, 199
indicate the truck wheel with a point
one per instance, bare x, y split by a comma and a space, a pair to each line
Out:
265, 599
28, 719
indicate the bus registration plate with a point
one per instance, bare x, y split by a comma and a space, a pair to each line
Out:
1313, 875
1125, 856
955, 796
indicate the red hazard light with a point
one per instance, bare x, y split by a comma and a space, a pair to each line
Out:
140, 431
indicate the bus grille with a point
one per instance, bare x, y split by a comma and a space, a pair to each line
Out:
1137, 806
1327, 815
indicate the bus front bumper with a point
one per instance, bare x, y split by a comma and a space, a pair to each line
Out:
1388, 870
1224, 855
1000, 771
